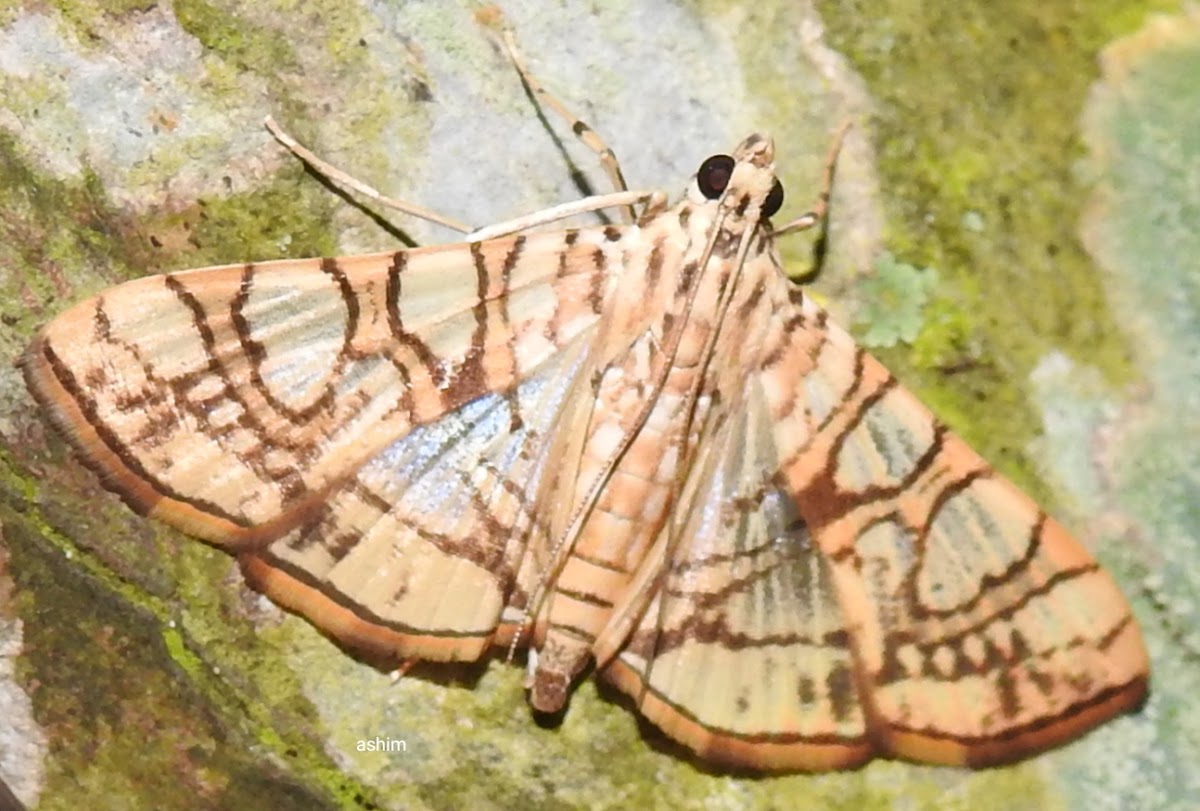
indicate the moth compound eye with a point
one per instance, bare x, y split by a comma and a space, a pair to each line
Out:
774, 200
713, 175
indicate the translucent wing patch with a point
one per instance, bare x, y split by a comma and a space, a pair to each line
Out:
421, 550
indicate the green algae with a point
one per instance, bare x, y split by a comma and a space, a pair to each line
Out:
894, 300
977, 119
95, 671
225, 33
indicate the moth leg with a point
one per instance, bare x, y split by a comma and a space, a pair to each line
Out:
608, 159
401, 670
343, 179
816, 214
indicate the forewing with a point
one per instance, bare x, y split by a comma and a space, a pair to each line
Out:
232, 401
981, 630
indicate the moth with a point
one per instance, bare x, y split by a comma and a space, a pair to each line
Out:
637, 448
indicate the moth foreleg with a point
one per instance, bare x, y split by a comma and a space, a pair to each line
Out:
608, 158
816, 215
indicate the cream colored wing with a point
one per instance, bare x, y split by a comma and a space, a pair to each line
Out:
982, 632
744, 653
228, 401
847, 579
366, 432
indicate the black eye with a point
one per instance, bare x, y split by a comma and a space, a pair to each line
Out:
774, 200
713, 175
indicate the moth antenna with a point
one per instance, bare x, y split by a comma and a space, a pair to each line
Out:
350, 182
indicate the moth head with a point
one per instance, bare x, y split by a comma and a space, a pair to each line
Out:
742, 184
